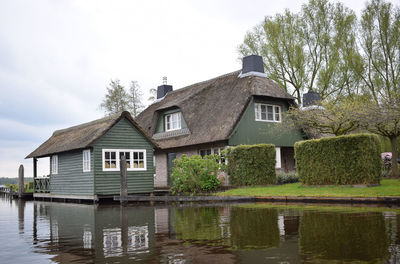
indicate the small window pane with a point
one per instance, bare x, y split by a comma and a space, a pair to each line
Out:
135, 155
107, 155
270, 112
140, 155
112, 155
263, 116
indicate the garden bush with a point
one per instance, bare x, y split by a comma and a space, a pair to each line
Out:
352, 159
286, 177
251, 164
195, 174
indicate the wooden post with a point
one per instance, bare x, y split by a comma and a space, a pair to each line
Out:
21, 215
21, 181
34, 173
124, 183
124, 228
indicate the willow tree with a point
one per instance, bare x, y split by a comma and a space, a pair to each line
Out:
380, 43
313, 50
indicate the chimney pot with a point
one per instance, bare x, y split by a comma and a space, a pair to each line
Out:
162, 90
252, 63
311, 98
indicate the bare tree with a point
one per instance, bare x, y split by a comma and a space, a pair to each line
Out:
135, 95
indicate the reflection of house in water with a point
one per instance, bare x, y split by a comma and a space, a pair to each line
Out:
229, 234
94, 232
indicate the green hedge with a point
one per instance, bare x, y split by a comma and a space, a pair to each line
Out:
353, 159
251, 164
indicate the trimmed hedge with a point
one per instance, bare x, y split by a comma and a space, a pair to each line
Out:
251, 164
352, 159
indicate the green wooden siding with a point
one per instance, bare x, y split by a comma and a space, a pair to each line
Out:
123, 135
161, 120
250, 131
70, 178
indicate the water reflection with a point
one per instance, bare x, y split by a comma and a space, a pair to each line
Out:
250, 233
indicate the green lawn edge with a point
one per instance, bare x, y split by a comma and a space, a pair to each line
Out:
388, 187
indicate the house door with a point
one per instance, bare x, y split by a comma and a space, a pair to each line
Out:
170, 166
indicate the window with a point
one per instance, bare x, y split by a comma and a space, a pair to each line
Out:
213, 151
86, 160
54, 164
269, 113
135, 159
110, 160
173, 121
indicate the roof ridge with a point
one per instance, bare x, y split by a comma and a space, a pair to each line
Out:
203, 82
97, 121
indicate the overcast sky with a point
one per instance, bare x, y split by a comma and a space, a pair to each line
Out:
57, 57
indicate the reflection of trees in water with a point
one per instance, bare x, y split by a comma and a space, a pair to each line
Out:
254, 228
238, 228
343, 236
198, 224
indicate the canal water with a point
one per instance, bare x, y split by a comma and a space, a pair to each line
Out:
45, 232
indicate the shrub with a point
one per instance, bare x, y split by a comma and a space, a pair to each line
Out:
353, 159
194, 174
387, 164
286, 177
251, 164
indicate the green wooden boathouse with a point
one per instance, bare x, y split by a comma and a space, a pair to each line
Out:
85, 160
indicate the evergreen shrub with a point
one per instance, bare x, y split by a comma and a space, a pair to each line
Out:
251, 164
351, 159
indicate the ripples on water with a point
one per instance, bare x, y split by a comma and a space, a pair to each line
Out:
44, 232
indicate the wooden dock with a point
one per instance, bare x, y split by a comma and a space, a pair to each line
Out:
284, 199
9, 191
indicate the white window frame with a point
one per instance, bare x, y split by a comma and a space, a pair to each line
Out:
178, 123
257, 112
54, 164
131, 151
86, 163
278, 164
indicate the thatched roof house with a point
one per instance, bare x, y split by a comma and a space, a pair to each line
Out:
85, 159
216, 113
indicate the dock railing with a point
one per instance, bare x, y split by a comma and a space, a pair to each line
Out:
42, 185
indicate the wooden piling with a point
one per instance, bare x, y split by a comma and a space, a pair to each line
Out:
21, 189
124, 228
124, 183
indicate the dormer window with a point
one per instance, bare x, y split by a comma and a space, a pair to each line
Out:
267, 112
173, 121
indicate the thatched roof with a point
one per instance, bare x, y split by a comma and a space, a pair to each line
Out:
211, 108
82, 136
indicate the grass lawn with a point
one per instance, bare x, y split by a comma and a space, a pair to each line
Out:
387, 188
